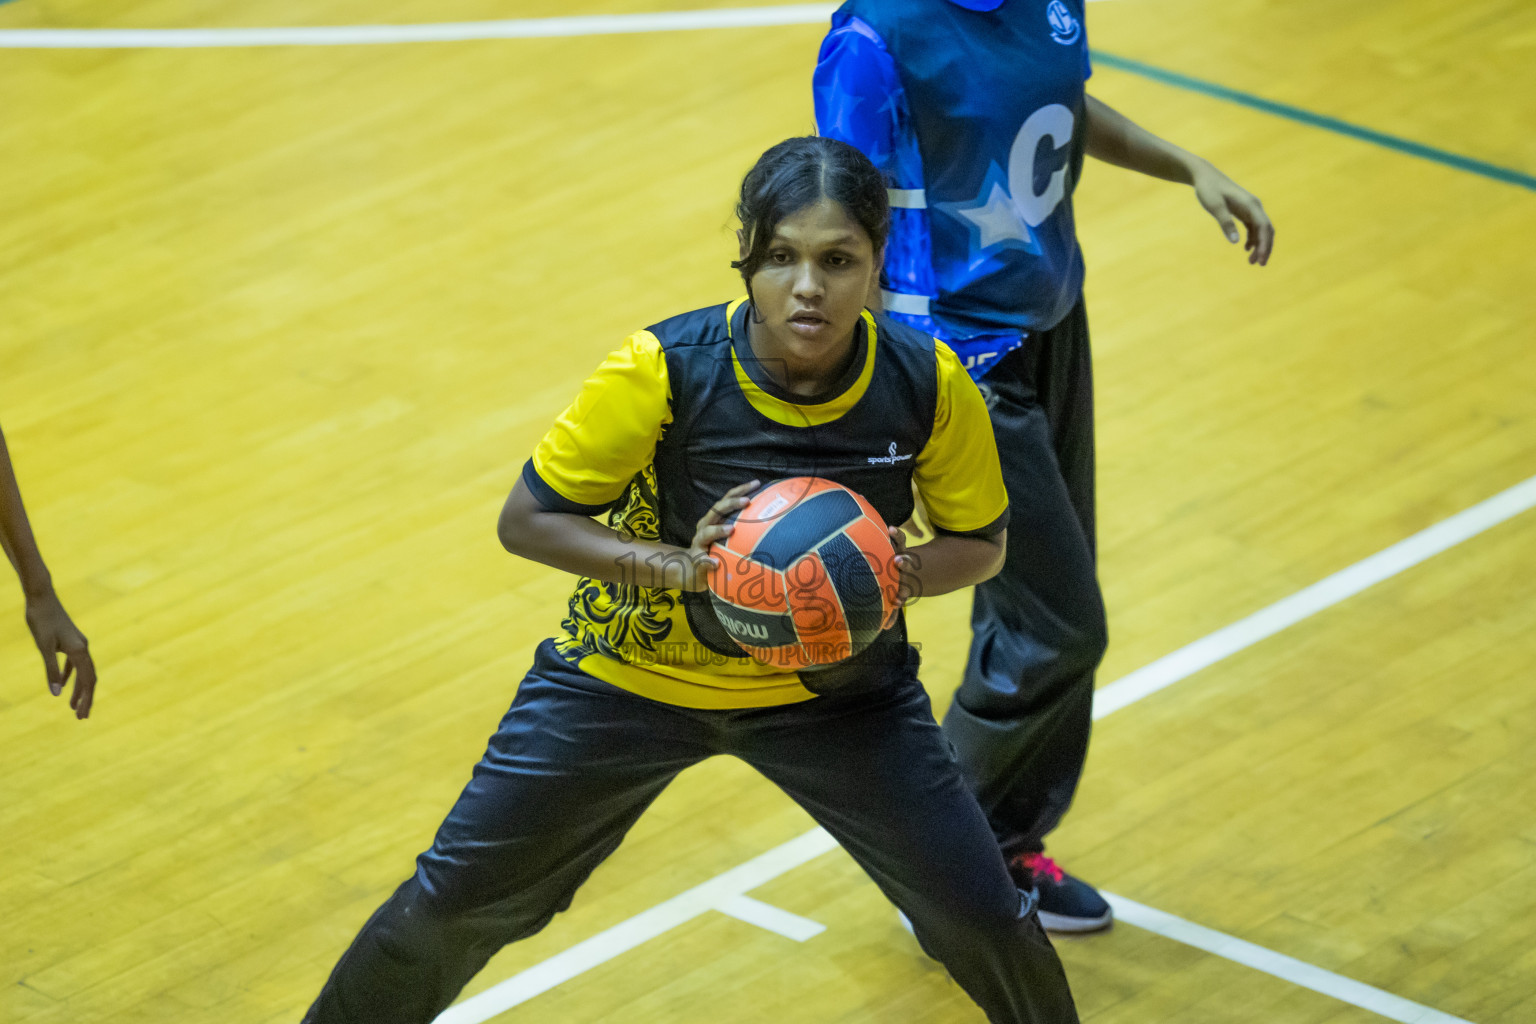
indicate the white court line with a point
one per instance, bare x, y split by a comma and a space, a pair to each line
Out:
774, 919
1145, 681
1298, 972
448, 32
1266, 622
444, 32
718, 892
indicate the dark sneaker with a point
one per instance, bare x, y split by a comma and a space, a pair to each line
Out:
1067, 904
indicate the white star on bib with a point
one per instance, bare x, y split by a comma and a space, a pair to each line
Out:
997, 219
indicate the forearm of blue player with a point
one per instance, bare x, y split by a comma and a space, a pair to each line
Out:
585, 547
950, 562
1116, 139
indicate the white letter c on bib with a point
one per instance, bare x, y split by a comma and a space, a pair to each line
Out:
1052, 122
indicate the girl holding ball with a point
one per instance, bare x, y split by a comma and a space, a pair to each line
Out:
669, 437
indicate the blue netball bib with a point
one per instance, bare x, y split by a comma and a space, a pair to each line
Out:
976, 117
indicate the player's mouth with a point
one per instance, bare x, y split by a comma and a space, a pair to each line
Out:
806, 323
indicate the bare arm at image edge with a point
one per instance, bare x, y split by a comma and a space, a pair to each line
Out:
51, 627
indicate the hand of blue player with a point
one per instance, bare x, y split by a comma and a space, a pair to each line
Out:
713, 528
1229, 202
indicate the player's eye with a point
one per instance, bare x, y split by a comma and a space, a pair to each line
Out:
838, 259
780, 256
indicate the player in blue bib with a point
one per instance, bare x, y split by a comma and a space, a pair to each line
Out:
977, 114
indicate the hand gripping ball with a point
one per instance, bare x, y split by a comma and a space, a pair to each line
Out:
808, 577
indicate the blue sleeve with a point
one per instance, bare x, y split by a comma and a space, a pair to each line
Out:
857, 91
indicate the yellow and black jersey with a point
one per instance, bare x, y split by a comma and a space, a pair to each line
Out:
682, 413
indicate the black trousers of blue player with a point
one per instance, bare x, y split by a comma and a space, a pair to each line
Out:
575, 762
1019, 722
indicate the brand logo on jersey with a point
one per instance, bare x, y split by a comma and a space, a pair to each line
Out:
972, 361
1065, 29
890, 458
739, 628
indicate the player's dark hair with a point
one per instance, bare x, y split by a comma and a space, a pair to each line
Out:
802, 172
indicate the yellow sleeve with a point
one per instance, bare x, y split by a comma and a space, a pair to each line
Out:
957, 473
608, 434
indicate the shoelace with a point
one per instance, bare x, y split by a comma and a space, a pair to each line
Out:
1038, 864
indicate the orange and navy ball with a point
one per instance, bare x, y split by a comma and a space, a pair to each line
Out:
808, 577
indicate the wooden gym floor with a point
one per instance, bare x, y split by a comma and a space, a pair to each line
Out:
278, 326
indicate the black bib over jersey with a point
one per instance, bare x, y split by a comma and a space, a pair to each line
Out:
718, 439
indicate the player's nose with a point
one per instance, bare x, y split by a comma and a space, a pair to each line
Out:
808, 281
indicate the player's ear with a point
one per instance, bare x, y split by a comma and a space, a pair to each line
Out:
874, 301
741, 243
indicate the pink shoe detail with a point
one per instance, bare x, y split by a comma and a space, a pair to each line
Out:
1039, 865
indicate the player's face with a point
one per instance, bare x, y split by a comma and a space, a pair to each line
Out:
812, 288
